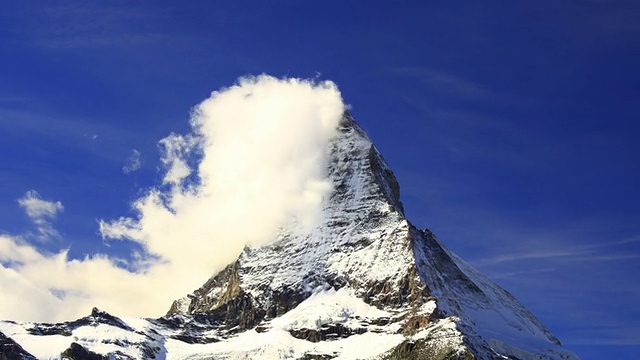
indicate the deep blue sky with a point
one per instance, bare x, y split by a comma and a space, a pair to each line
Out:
511, 125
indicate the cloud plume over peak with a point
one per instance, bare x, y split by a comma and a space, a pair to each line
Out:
262, 146
254, 161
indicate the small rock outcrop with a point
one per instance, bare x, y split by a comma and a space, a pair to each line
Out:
78, 352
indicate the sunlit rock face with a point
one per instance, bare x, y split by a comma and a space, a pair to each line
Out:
362, 283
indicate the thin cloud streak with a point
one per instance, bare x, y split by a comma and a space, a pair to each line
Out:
133, 162
581, 253
71, 25
518, 274
606, 335
42, 213
442, 83
97, 138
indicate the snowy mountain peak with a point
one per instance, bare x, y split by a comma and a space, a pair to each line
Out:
364, 250
363, 283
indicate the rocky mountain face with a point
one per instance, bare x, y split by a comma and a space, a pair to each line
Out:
363, 284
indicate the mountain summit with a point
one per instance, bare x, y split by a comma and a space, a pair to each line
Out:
363, 283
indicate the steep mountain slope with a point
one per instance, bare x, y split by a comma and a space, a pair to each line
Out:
364, 283
364, 244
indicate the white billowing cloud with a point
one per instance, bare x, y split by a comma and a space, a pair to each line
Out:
255, 161
133, 162
41, 212
175, 149
36, 286
263, 146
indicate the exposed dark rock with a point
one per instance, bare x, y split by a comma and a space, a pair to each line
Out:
311, 335
77, 352
11, 350
100, 317
194, 338
50, 329
326, 332
422, 349
308, 356
414, 323
192, 329
66, 328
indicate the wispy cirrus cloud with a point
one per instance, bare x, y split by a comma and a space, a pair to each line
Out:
443, 83
606, 335
42, 213
461, 113
133, 162
594, 252
514, 275
68, 25
590, 22
92, 136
